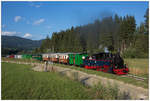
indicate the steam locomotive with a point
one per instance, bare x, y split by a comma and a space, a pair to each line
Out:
106, 62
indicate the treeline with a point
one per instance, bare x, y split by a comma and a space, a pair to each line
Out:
10, 51
115, 34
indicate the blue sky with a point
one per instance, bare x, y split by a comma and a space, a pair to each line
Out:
36, 20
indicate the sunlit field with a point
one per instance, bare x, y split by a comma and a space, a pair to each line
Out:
20, 82
138, 66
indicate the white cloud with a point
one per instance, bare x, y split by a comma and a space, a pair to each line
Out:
17, 18
9, 33
38, 21
27, 35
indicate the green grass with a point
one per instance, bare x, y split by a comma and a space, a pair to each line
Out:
143, 84
137, 63
20, 82
21, 60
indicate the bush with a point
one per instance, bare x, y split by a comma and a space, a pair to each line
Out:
134, 53
106, 92
109, 92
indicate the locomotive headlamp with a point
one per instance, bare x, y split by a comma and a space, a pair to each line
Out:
83, 57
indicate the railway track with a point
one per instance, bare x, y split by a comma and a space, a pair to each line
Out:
135, 77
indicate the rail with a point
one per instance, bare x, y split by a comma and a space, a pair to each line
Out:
135, 77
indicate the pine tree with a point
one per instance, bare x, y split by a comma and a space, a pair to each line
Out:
126, 31
147, 21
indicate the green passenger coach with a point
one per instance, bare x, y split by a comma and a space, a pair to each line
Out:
26, 56
77, 59
71, 58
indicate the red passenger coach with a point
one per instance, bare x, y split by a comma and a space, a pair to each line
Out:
11, 56
46, 57
64, 58
54, 57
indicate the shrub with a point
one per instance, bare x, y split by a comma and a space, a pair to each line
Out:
134, 53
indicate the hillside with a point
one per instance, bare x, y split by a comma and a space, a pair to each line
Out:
19, 43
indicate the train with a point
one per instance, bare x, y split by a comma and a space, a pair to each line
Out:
105, 62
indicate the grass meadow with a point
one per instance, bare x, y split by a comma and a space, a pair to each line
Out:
138, 66
19, 82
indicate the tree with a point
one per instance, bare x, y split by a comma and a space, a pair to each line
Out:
141, 29
147, 21
46, 45
126, 31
